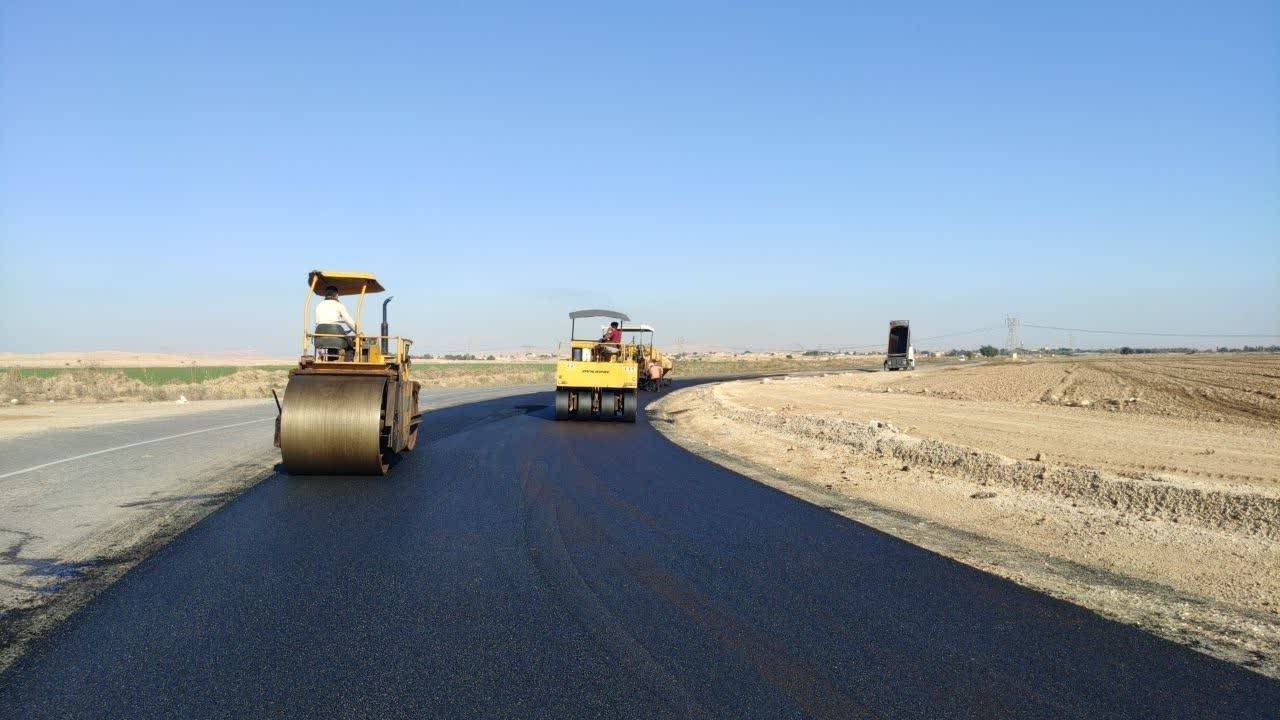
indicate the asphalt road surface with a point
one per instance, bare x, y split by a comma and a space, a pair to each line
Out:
514, 566
89, 450
73, 497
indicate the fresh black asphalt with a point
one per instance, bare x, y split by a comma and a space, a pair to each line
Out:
515, 567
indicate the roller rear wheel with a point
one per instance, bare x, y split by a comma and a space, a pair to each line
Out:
562, 404
608, 405
414, 412
584, 405
629, 400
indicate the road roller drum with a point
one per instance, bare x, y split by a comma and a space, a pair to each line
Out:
332, 425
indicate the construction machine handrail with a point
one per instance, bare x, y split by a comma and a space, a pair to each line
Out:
361, 341
620, 356
618, 345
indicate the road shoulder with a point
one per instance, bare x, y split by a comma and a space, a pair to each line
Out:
81, 506
20, 420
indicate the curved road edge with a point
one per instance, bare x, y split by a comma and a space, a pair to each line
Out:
1220, 630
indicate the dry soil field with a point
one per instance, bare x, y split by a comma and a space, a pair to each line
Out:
1145, 488
1236, 387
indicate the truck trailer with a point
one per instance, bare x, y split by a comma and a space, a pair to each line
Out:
901, 355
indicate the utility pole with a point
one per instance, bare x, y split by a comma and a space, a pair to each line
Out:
1012, 342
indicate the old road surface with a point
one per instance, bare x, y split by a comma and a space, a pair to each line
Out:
519, 567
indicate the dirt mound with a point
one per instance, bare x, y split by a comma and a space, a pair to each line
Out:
1235, 387
1243, 512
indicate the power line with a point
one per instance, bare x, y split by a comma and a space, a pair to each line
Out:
963, 332
1154, 334
926, 339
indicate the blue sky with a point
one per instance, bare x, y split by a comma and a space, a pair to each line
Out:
764, 175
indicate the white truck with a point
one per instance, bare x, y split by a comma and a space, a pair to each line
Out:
901, 355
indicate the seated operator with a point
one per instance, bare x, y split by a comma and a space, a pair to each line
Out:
332, 318
610, 343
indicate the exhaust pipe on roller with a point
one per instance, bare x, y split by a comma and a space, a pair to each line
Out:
385, 327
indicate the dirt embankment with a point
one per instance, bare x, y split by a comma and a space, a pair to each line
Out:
451, 375
94, 385
1167, 516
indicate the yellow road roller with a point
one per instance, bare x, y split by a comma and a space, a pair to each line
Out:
350, 406
598, 379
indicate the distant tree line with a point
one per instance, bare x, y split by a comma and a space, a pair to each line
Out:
1186, 350
993, 351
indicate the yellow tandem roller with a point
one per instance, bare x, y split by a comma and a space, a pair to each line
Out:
349, 406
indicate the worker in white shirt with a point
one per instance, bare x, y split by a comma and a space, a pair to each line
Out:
332, 318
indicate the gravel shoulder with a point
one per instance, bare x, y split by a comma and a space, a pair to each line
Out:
1156, 518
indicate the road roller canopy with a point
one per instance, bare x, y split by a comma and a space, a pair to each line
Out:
598, 313
578, 314
637, 327
348, 282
